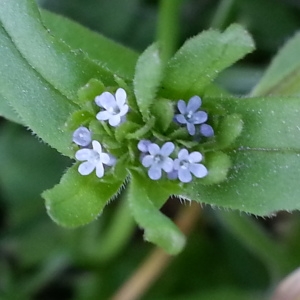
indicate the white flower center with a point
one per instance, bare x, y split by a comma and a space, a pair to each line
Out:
189, 116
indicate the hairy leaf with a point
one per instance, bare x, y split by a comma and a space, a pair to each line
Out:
62, 67
264, 176
78, 200
158, 228
117, 58
283, 75
201, 58
269, 122
40, 106
7, 112
260, 182
147, 79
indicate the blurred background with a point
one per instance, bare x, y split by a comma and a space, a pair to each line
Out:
228, 255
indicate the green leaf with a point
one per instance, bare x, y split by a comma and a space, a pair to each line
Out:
229, 129
40, 106
270, 123
147, 79
7, 112
124, 129
54, 60
89, 91
260, 182
78, 200
78, 118
218, 164
158, 228
163, 110
201, 58
264, 177
117, 58
283, 75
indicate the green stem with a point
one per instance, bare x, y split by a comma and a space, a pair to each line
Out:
222, 13
168, 27
256, 239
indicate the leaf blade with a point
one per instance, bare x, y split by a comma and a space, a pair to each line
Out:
7, 112
283, 75
31, 97
269, 122
158, 228
201, 58
260, 183
78, 200
147, 78
119, 59
67, 71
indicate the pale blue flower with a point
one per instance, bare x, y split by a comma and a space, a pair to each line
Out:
190, 115
94, 159
143, 145
158, 159
82, 136
187, 164
115, 107
206, 130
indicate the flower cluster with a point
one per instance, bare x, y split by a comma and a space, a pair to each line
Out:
115, 107
191, 116
114, 110
176, 163
186, 164
182, 167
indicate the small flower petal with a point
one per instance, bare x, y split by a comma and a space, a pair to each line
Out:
195, 157
83, 154
183, 154
153, 149
191, 128
199, 117
99, 170
154, 173
167, 148
82, 136
198, 170
193, 104
143, 145
176, 164
181, 119
168, 164
184, 175
121, 97
147, 161
173, 174
97, 146
181, 106
206, 130
124, 110
114, 120
106, 100
105, 159
112, 160
103, 115
86, 168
